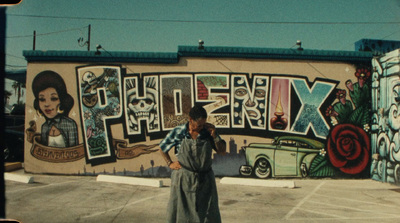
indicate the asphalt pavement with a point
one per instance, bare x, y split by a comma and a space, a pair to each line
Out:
54, 198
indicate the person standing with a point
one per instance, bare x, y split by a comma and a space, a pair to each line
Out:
194, 196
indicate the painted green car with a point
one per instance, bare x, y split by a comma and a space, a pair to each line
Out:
286, 156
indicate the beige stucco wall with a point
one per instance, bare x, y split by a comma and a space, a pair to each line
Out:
339, 71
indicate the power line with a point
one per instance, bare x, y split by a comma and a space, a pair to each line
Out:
390, 34
50, 33
206, 21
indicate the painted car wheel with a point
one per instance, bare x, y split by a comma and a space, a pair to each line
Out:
262, 168
303, 169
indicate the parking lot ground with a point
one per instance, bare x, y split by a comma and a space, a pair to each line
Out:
54, 198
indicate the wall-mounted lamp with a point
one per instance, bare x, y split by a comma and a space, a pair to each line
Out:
98, 47
201, 45
298, 44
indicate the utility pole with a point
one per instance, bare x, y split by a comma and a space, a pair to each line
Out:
34, 39
88, 42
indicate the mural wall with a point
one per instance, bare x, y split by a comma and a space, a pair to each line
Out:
279, 118
385, 118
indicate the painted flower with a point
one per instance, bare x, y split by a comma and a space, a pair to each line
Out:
341, 95
331, 112
366, 127
362, 74
87, 115
322, 152
348, 148
334, 121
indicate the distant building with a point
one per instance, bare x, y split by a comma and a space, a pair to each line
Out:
232, 146
376, 46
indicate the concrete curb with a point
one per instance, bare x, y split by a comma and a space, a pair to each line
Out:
130, 180
18, 178
8, 167
258, 182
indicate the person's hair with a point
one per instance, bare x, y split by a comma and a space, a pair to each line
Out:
197, 112
50, 79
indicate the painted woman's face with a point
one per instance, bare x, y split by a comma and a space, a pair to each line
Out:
49, 102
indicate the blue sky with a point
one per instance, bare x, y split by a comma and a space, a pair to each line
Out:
163, 25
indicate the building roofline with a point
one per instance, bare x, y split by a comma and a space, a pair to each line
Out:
91, 56
274, 53
194, 51
16, 75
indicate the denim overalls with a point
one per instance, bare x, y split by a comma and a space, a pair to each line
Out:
194, 196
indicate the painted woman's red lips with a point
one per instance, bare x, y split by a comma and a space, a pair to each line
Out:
48, 111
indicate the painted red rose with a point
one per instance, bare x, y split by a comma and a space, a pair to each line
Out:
348, 148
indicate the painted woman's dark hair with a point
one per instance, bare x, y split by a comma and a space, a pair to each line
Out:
50, 79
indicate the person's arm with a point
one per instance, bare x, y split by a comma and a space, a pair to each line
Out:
173, 165
220, 144
165, 146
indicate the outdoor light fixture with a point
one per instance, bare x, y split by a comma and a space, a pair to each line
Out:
298, 44
98, 47
201, 45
